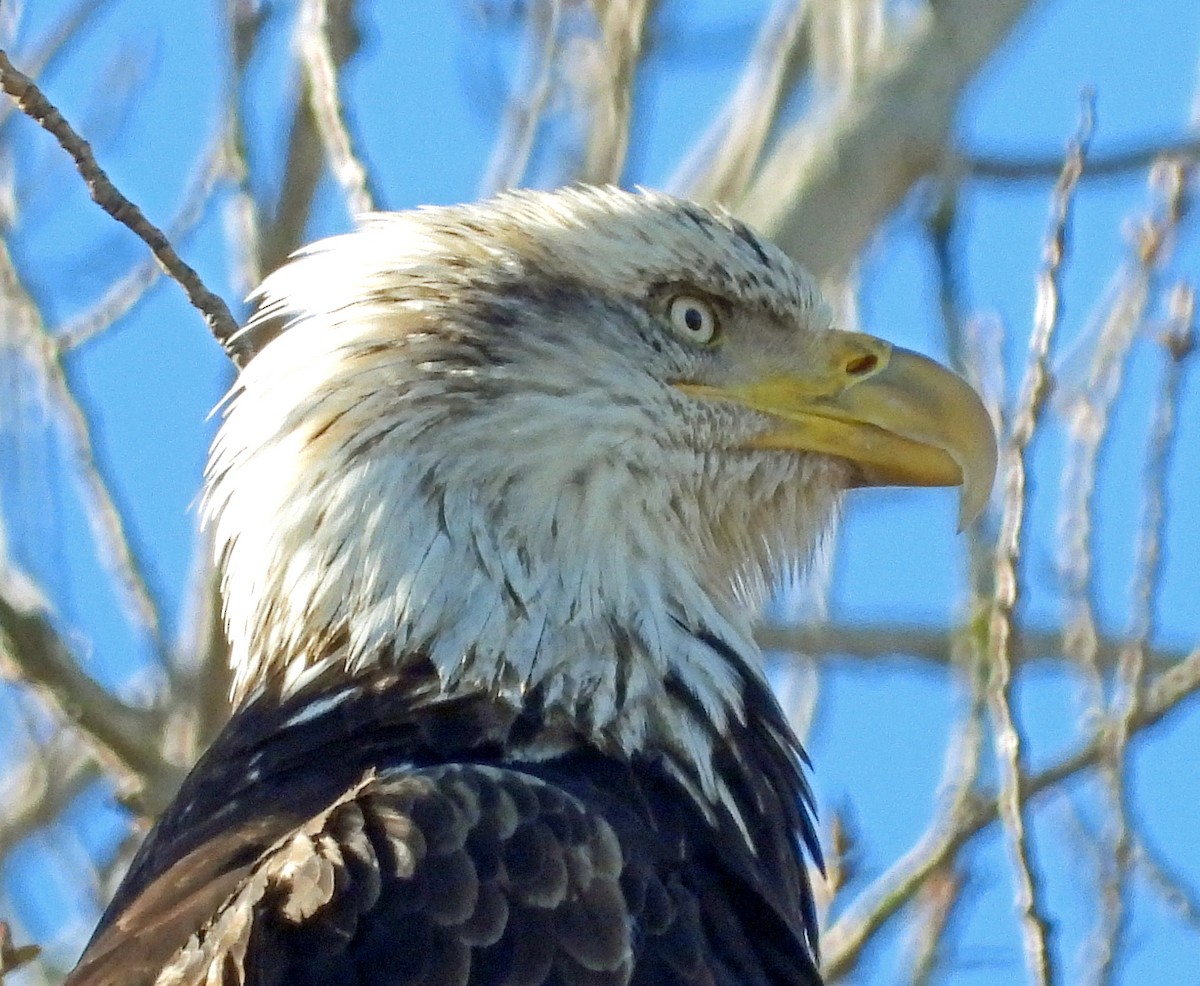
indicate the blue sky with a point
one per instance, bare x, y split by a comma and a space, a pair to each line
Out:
145, 84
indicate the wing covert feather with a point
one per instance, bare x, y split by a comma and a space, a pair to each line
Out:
460, 875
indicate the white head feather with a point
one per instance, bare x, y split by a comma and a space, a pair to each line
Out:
465, 445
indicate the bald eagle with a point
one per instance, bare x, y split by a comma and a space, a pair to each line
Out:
494, 501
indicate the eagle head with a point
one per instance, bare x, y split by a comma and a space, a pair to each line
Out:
556, 444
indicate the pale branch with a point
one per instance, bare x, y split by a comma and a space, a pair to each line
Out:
283, 231
720, 164
1136, 157
1035, 390
125, 737
834, 178
847, 38
327, 26
43, 790
1087, 413
107, 524
527, 103
1104, 944
1177, 344
1170, 886
843, 943
205, 679
243, 219
609, 93
936, 646
936, 905
53, 45
244, 222
104, 193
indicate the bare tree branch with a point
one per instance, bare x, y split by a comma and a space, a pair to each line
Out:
120, 299
610, 96
831, 181
510, 156
895, 888
244, 222
1034, 392
720, 165
1113, 164
937, 902
104, 193
327, 27
284, 232
1177, 343
936, 646
125, 737
1169, 885
45, 788
105, 519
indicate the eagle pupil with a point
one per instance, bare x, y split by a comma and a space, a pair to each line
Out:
694, 319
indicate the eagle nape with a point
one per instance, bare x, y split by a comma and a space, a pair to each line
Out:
494, 502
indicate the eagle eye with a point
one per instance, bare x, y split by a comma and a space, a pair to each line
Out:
694, 319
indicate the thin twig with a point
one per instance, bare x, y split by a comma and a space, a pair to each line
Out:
1112, 164
283, 232
107, 524
319, 23
244, 222
46, 787
1168, 885
722, 161
1035, 390
1088, 415
903, 880
104, 193
936, 646
1177, 342
125, 737
610, 90
130, 289
935, 908
523, 114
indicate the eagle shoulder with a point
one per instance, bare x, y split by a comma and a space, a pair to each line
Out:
453, 875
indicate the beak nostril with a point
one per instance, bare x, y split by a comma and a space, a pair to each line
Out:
862, 365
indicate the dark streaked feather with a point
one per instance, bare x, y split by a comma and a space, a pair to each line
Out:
375, 842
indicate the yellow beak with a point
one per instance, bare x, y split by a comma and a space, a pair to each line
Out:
900, 418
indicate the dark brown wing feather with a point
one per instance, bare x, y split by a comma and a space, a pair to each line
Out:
349, 836
445, 876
